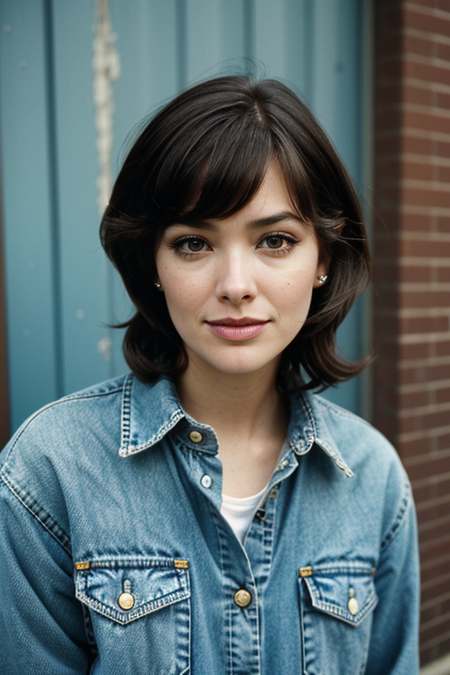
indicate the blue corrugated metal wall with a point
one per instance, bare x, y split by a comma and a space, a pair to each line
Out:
61, 293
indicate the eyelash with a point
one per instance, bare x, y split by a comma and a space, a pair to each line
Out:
291, 241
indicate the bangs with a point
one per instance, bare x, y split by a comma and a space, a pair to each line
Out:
219, 172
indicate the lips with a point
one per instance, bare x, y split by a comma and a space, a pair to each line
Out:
246, 321
237, 329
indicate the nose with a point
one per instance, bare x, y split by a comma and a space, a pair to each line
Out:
236, 282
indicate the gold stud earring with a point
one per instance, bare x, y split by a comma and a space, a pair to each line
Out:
322, 278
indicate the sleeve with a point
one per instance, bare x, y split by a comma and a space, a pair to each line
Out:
394, 640
42, 626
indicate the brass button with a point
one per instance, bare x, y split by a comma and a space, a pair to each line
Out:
353, 605
195, 436
125, 601
242, 598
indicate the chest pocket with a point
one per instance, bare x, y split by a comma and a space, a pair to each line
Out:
337, 601
140, 612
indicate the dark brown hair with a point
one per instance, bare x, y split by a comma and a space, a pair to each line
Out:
205, 155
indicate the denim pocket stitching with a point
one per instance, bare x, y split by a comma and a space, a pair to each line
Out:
348, 570
148, 607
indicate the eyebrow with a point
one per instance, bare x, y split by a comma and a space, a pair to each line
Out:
252, 224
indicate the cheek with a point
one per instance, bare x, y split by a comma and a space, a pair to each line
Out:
295, 296
184, 296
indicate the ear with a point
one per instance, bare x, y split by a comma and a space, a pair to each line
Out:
321, 273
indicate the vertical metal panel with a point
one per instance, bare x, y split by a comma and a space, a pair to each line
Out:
163, 45
215, 37
84, 298
150, 51
27, 208
4, 395
336, 100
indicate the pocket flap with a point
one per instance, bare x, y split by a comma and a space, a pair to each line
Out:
125, 590
343, 590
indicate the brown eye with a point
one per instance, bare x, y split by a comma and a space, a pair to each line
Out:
194, 245
274, 241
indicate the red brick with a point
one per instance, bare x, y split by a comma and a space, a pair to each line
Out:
416, 447
432, 490
440, 608
442, 100
427, 121
438, 510
443, 224
421, 146
442, 442
390, 93
426, 72
442, 173
433, 592
422, 197
423, 324
434, 549
425, 299
415, 350
442, 349
429, 634
420, 171
443, 51
418, 45
442, 149
443, 274
426, 22
425, 374
415, 274
429, 467
425, 249
432, 324
431, 420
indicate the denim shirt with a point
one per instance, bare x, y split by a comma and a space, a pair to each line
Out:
115, 559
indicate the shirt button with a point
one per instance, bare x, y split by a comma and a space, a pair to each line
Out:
195, 436
206, 481
353, 605
125, 601
242, 597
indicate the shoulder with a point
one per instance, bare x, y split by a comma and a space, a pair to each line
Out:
69, 438
380, 481
56, 421
356, 439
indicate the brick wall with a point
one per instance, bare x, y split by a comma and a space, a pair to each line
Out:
412, 277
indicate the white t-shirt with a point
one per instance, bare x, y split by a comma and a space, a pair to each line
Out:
239, 512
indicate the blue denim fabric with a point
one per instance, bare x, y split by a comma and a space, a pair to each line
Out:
115, 559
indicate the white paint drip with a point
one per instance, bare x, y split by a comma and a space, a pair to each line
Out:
106, 65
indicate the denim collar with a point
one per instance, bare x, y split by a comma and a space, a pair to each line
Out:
150, 411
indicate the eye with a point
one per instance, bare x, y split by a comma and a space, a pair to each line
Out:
189, 246
274, 241
278, 242
193, 245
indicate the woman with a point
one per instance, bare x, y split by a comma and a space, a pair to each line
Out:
209, 514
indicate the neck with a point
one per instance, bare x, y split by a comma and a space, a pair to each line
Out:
225, 401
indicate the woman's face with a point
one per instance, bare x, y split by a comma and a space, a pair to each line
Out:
239, 289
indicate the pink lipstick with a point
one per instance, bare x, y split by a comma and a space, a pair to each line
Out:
237, 329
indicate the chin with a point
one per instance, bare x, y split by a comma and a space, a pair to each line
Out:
240, 365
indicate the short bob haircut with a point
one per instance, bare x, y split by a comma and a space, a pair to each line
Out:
205, 155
